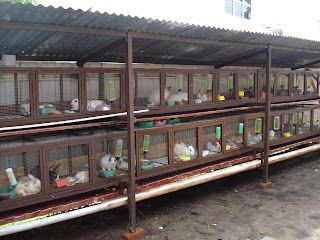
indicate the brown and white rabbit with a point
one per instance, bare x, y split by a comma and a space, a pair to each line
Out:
28, 185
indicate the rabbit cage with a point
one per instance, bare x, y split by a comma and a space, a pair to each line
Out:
103, 90
16, 104
202, 87
40, 168
59, 92
152, 150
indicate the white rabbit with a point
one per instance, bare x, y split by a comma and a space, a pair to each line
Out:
122, 164
179, 97
82, 177
214, 147
25, 108
92, 105
28, 185
182, 149
272, 134
108, 162
154, 98
202, 96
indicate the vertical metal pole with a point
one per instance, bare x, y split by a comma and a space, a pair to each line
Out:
265, 166
129, 88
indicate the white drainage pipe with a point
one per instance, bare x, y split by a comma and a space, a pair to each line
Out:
154, 192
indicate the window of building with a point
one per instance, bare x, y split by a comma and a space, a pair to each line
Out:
239, 8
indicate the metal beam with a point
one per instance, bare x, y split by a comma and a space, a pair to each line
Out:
238, 59
59, 28
265, 165
99, 51
129, 87
306, 64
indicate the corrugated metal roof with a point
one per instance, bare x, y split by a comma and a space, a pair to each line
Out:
38, 45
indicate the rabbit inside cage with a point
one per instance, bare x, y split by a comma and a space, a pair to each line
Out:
147, 89
282, 84
14, 96
316, 118
226, 86
58, 94
298, 84
211, 140
153, 151
262, 84
185, 145
68, 166
246, 85
103, 91
289, 124
304, 122
275, 129
202, 87
111, 157
19, 175
176, 91
254, 131
312, 84
234, 135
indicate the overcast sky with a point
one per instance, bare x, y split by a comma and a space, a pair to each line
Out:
297, 18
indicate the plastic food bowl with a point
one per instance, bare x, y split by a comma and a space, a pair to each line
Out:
149, 166
147, 124
170, 103
107, 173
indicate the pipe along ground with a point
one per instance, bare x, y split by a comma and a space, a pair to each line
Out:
154, 192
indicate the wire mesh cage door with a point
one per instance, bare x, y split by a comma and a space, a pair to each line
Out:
304, 122
147, 89
15, 96
234, 135
111, 157
212, 140
281, 85
202, 87
153, 150
185, 145
20, 175
255, 131
262, 89
68, 165
247, 83
289, 124
226, 86
103, 91
177, 86
275, 128
311, 84
316, 119
58, 94
297, 84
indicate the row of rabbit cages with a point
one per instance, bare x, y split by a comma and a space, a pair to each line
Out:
176, 145
41, 168
290, 85
294, 123
42, 95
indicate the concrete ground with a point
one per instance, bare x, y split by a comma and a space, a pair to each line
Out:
232, 208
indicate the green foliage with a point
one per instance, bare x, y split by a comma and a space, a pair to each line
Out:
34, 2
277, 32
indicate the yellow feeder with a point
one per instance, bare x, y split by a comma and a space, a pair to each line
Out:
241, 93
184, 158
287, 134
228, 147
221, 98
